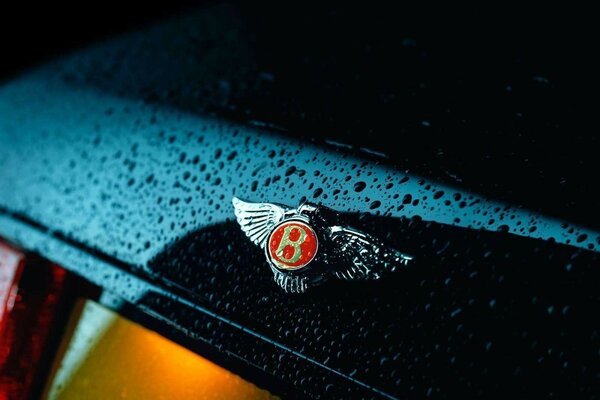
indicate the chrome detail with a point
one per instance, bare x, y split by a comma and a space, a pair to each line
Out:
258, 219
349, 254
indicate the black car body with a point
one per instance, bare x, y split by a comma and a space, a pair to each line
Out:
119, 163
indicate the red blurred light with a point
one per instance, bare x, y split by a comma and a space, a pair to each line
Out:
11, 265
29, 300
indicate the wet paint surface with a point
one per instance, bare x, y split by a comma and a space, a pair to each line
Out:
132, 180
123, 159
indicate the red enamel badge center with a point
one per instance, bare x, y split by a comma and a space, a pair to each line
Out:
292, 245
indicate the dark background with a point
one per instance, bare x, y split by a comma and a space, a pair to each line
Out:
33, 32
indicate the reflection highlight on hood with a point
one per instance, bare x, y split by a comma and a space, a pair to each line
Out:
132, 180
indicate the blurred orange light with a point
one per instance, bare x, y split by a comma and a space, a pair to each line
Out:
129, 361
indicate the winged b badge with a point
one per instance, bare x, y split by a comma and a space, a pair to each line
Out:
307, 245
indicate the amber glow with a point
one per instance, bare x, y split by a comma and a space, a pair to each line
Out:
131, 362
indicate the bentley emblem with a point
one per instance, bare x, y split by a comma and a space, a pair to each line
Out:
307, 245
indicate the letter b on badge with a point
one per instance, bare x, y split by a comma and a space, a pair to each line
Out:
295, 244
292, 245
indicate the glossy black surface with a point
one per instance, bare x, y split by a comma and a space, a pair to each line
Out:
131, 151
